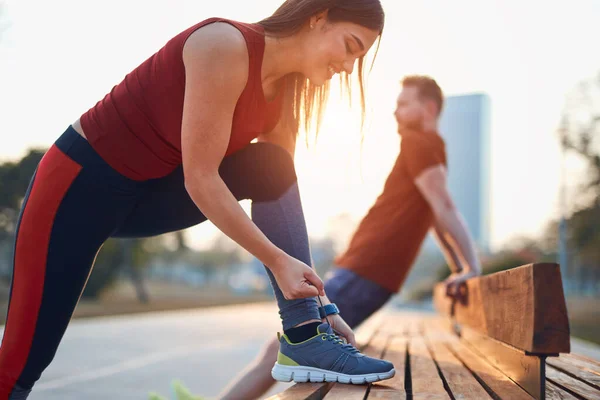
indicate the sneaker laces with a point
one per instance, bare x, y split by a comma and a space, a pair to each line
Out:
338, 340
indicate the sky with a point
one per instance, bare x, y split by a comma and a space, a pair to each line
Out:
58, 58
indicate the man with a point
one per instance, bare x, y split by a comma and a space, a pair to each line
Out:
414, 200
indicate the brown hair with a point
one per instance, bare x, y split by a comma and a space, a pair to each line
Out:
427, 87
305, 100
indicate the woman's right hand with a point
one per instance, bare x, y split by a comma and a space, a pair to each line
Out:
296, 279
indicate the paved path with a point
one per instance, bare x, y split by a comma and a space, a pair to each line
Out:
126, 357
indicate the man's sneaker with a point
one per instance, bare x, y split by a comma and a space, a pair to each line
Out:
179, 391
326, 358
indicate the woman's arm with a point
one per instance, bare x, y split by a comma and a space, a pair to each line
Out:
216, 62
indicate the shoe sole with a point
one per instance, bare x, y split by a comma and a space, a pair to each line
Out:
285, 373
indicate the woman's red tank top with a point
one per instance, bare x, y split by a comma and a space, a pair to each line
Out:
136, 128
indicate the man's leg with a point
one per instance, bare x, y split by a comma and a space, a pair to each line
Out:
357, 299
255, 380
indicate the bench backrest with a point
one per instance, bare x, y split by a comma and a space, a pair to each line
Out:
523, 307
514, 318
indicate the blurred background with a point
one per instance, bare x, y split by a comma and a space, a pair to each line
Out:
521, 123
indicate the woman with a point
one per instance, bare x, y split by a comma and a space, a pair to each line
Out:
168, 148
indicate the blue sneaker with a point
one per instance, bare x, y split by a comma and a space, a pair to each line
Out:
326, 358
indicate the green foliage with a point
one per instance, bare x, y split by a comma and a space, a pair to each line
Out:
114, 255
106, 269
14, 180
583, 237
579, 134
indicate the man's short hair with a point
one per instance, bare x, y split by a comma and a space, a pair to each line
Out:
427, 87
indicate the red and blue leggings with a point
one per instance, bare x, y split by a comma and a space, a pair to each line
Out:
76, 201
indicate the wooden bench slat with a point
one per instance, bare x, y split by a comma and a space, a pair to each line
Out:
414, 327
472, 366
526, 370
392, 388
425, 380
592, 364
586, 363
499, 383
304, 391
495, 380
460, 381
554, 392
572, 384
573, 366
342, 391
523, 307
400, 323
367, 330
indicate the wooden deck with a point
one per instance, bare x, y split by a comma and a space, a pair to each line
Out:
505, 337
433, 363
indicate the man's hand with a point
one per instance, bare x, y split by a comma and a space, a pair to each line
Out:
454, 281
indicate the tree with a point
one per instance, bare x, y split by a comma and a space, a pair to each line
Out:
114, 257
579, 134
14, 180
579, 131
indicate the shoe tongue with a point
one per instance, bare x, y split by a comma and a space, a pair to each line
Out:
324, 328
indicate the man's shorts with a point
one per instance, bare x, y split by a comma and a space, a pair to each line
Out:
356, 297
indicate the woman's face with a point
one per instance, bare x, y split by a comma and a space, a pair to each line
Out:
332, 47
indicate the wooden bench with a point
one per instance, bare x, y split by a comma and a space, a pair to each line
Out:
502, 339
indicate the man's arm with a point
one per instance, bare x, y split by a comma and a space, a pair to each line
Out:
449, 254
449, 223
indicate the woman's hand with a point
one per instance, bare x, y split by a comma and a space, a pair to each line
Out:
341, 327
296, 279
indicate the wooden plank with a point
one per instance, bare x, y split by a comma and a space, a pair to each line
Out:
342, 391
459, 380
576, 368
399, 323
425, 380
485, 373
580, 347
590, 364
554, 392
496, 382
526, 370
304, 391
414, 327
392, 388
523, 307
571, 384
367, 330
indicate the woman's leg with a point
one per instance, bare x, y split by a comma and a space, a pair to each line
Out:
261, 172
357, 299
265, 174
67, 214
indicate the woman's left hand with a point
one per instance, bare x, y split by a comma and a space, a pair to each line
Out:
341, 327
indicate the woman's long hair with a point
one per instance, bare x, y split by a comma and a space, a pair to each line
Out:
304, 102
